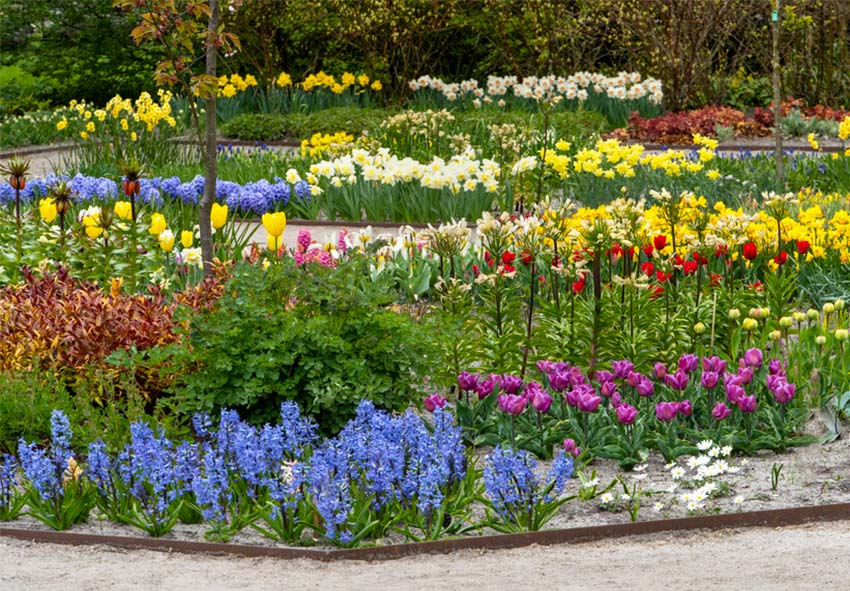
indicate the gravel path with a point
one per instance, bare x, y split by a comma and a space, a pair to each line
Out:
793, 559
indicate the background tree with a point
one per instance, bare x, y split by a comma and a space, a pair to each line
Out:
182, 28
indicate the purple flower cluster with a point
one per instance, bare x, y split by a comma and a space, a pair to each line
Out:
388, 459
514, 488
45, 468
254, 197
8, 481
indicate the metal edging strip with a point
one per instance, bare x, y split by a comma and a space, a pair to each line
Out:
768, 518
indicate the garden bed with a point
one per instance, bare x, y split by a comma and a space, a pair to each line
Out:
812, 485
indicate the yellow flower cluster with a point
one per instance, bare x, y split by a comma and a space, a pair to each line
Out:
347, 80
808, 233
327, 145
228, 87
132, 117
610, 159
844, 129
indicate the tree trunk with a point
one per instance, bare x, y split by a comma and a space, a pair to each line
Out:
777, 95
205, 206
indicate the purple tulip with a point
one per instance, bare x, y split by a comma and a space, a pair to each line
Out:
646, 387
660, 370
559, 380
615, 400
731, 379
753, 358
774, 367
666, 411
545, 366
686, 409
433, 402
603, 377
484, 388
571, 448
467, 381
784, 393
709, 379
608, 389
721, 411
588, 402
774, 381
626, 414
677, 381
621, 369
747, 404
746, 375
539, 398
512, 404
633, 379
510, 384
715, 364
734, 393
688, 362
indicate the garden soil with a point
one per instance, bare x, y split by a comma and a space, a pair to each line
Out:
811, 557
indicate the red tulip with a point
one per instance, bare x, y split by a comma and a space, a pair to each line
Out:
750, 251
660, 242
802, 246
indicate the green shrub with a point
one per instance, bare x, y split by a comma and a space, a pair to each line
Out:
271, 127
97, 407
322, 337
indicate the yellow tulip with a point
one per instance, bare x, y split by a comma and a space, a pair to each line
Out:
274, 223
186, 238
275, 242
158, 224
47, 210
218, 217
166, 240
123, 210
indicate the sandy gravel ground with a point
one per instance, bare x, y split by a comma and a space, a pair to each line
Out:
793, 559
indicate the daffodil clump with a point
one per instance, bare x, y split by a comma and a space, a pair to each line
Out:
321, 145
124, 129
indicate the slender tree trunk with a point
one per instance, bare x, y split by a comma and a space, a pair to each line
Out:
205, 206
776, 19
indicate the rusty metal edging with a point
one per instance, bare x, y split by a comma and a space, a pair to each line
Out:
769, 518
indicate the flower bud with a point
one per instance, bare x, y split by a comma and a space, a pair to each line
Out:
734, 313
820, 340
765, 312
785, 322
755, 313
839, 305
841, 334
774, 335
828, 308
699, 328
749, 324
799, 316
813, 314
